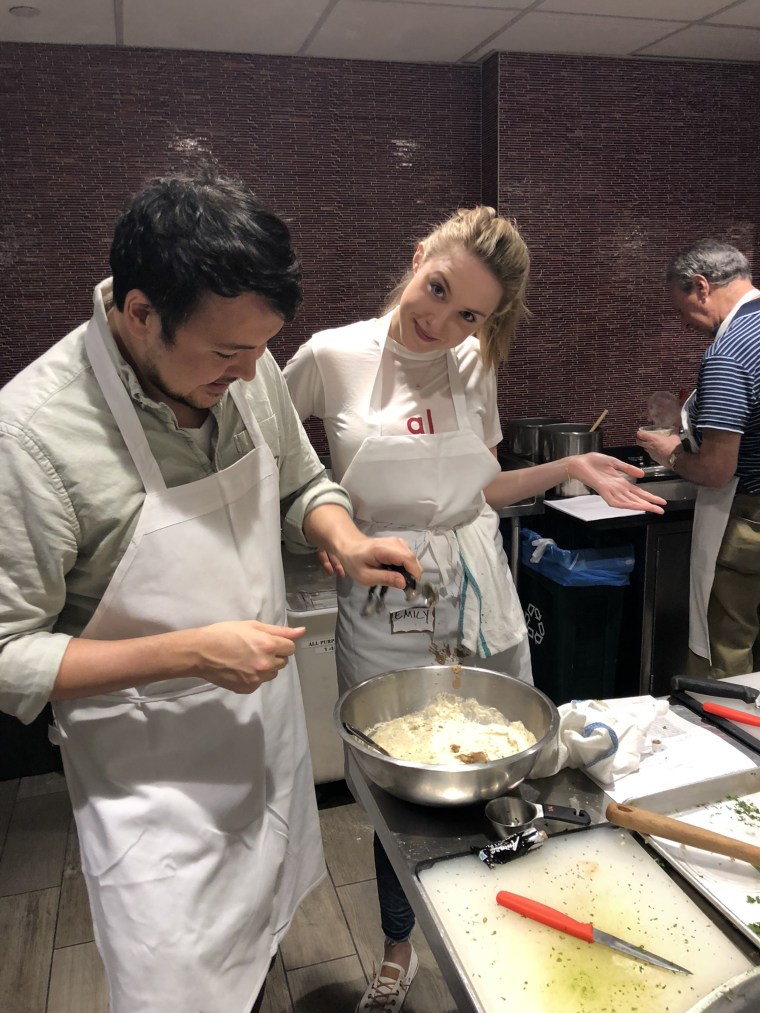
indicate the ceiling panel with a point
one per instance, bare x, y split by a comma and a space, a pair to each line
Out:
276, 27
417, 31
746, 13
502, 5
665, 10
538, 32
720, 43
366, 30
86, 22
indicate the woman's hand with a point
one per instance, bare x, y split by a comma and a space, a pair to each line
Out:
607, 476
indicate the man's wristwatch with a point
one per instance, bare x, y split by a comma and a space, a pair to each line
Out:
672, 458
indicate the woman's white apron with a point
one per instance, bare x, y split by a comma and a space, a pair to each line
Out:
195, 806
428, 489
710, 519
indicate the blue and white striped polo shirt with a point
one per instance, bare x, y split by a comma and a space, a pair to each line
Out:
728, 390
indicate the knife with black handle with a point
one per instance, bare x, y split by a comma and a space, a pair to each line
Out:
716, 687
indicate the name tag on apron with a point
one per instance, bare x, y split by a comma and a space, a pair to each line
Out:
415, 619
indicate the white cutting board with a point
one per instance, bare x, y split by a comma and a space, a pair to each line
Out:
738, 705
601, 875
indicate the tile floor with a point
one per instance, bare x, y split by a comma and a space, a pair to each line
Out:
49, 963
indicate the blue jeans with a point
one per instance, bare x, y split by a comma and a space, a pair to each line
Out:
396, 915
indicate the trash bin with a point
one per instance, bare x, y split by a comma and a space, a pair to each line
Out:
573, 605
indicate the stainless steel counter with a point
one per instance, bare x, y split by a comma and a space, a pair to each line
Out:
412, 834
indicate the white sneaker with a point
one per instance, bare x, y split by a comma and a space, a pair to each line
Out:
388, 994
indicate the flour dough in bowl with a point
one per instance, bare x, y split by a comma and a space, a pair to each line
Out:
452, 730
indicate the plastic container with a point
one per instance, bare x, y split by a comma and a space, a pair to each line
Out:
312, 602
576, 567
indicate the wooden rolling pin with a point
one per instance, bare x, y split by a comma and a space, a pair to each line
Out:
646, 822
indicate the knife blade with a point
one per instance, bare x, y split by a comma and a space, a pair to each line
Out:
581, 930
716, 687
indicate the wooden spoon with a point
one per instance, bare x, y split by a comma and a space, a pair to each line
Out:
646, 822
599, 421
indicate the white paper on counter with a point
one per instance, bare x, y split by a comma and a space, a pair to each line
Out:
589, 508
683, 754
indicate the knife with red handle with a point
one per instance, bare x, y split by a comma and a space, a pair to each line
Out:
744, 717
581, 930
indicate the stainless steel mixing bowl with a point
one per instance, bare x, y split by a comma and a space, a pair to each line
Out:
397, 693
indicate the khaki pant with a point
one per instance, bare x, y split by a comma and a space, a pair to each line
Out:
733, 614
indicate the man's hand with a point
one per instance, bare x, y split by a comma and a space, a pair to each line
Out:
606, 475
659, 446
345, 550
240, 656
362, 560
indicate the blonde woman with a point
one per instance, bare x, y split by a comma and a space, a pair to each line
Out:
409, 405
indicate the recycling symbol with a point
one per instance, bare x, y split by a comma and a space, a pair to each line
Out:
535, 624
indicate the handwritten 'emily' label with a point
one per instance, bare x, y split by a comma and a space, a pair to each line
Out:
415, 619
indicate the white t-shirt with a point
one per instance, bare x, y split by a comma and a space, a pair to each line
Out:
331, 376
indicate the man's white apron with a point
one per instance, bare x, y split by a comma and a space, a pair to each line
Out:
422, 487
195, 806
710, 519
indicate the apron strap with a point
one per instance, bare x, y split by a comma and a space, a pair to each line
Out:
119, 401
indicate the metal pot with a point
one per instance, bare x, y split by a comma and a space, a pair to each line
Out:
523, 436
564, 440
395, 694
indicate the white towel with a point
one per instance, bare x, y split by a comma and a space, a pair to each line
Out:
608, 738
490, 615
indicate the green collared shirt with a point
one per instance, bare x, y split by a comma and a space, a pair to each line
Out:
70, 496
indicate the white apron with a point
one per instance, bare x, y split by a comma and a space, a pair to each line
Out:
195, 806
421, 488
711, 513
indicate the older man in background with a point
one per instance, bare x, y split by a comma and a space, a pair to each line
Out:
711, 288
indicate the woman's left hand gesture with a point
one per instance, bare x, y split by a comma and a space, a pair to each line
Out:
607, 476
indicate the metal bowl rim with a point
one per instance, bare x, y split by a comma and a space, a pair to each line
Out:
355, 743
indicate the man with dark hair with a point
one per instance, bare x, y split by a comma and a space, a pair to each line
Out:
150, 463
711, 287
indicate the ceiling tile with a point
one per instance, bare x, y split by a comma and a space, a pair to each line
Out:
663, 10
230, 26
78, 22
709, 42
747, 13
538, 32
502, 5
367, 30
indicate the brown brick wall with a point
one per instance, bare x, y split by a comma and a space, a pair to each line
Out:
607, 165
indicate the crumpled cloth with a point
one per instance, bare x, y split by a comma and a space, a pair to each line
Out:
491, 617
606, 738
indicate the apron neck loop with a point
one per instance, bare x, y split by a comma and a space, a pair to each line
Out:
375, 411
118, 399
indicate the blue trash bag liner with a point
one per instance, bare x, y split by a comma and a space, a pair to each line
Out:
578, 567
